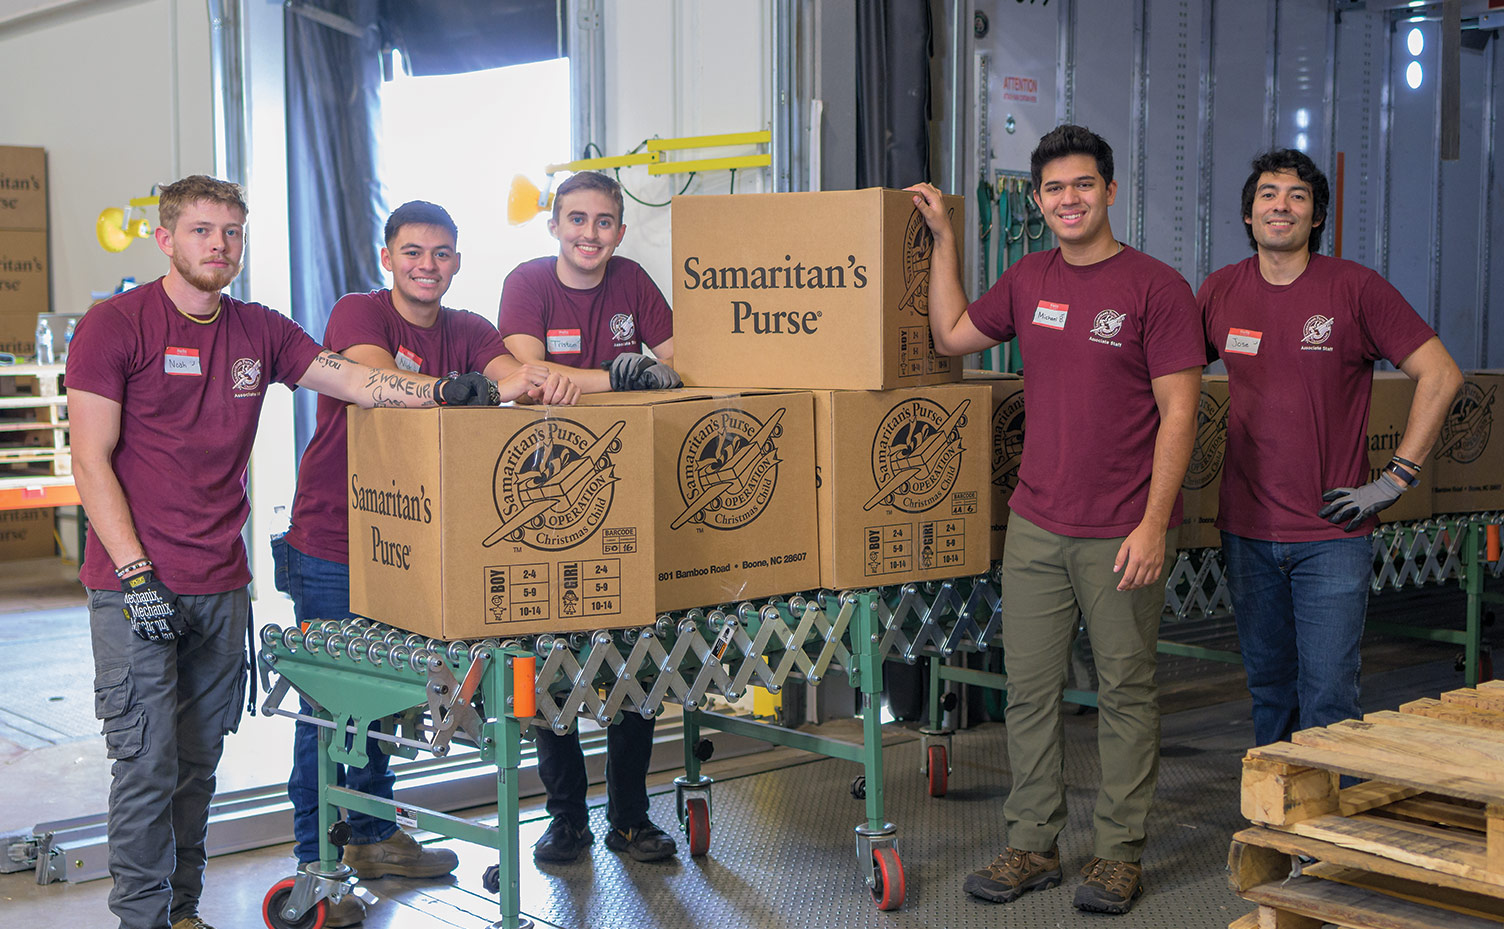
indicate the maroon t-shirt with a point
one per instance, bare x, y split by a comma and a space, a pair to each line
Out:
190, 397
1092, 339
583, 328
458, 341
1299, 374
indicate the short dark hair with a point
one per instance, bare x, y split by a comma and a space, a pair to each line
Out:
1066, 140
591, 180
419, 213
1301, 165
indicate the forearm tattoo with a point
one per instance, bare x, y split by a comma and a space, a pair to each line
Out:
388, 388
332, 360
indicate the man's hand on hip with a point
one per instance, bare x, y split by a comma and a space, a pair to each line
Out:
1353, 505
152, 608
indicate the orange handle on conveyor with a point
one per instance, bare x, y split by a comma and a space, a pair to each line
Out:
1491, 533
524, 699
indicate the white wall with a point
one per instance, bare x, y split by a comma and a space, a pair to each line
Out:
118, 94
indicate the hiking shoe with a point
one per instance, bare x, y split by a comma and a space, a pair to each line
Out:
644, 843
349, 911
1014, 872
1110, 886
562, 842
191, 922
401, 855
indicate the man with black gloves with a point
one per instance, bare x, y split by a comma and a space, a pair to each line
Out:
404, 327
165, 385
580, 313
1299, 333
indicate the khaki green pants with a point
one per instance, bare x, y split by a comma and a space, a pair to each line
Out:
1045, 578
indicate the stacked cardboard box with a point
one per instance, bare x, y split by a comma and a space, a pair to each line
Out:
1203, 479
1006, 437
1392, 393
26, 533
24, 282
1469, 458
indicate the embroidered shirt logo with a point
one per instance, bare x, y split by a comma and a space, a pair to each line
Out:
1316, 330
245, 377
1108, 324
623, 327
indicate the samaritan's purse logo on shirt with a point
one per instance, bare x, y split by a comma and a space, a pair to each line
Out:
408, 360
623, 327
1106, 326
245, 377
1243, 341
1315, 332
181, 361
1050, 315
564, 341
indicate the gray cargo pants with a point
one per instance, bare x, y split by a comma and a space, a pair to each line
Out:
165, 709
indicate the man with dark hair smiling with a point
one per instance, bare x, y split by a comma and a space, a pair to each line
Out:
1299, 333
1114, 355
165, 385
401, 328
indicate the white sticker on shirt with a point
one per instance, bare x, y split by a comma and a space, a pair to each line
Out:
1243, 341
563, 341
181, 361
1050, 315
408, 360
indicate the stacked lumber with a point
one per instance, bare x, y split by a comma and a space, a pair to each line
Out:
1418, 843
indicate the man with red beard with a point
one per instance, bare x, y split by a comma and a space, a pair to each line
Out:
165, 386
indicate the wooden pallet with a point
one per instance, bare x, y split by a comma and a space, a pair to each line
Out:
34, 436
1434, 796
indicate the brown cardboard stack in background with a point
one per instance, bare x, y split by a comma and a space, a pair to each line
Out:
734, 492
474, 522
26, 533
1392, 392
1469, 457
903, 484
1203, 479
24, 284
805, 290
1006, 437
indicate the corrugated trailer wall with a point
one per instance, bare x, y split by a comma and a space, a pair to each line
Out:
1187, 91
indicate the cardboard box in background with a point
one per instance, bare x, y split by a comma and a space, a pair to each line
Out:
24, 288
903, 484
1392, 392
734, 482
26, 534
799, 290
1006, 432
473, 522
1469, 457
23, 188
1203, 479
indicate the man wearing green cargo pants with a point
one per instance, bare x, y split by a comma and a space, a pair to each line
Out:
1114, 348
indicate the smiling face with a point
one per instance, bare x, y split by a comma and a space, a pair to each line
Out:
1074, 200
589, 229
423, 261
205, 244
1283, 213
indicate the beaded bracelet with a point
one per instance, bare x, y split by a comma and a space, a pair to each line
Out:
131, 568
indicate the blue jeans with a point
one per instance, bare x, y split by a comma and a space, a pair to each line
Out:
1300, 608
320, 589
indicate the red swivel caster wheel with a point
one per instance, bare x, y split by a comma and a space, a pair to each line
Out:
276, 899
888, 892
939, 768
697, 824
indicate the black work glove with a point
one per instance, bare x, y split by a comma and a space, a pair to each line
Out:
636, 371
455, 389
1355, 504
152, 608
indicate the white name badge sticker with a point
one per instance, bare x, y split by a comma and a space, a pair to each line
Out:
1050, 315
564, 341
1243, 342
408, 360
181, 361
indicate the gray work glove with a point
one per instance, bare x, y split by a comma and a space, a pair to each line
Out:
1355, 504
152, 608
636, 371
455, 389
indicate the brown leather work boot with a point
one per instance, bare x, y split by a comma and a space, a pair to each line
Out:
1110, 886
1013, 873
401, 855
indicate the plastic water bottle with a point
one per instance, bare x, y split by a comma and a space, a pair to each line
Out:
44, 343
68, 338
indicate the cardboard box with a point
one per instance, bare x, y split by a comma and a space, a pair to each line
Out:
826, 290
26, 534
473, 522
902, 484
1007, 441
1392, 392
1469, 459
734, 483
1203, 479
24, 290
23, 188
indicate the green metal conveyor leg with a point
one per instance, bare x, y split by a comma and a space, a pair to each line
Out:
1472, 583
505, 743
876, 839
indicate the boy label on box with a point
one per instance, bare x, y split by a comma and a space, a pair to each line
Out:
554, 484
916, 454
728, 469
